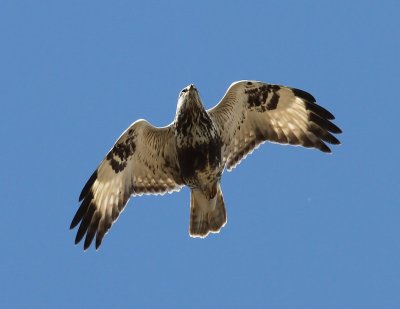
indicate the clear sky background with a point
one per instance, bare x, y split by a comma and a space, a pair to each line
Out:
305, 229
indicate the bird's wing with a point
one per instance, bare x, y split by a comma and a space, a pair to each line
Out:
253, 112
142, 161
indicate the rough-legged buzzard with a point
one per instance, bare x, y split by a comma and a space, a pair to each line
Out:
195, 149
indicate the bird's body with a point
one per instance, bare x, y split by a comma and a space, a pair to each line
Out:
195, 149
197, 142
199, 149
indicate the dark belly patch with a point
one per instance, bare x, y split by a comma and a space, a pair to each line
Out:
198, 158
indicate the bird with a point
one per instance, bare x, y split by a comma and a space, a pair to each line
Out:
194, 151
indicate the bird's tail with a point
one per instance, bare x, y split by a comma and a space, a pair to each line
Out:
206, 214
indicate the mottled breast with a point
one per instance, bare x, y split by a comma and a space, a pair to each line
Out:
198, 148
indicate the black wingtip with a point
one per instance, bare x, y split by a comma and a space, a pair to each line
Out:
98, 243
88, 186
85, 223
99, 237
92, 229
82, 210
331, 139
324, 123
319, 110
86, 246
303, 95
325, 148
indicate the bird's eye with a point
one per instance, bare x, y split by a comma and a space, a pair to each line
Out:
182, 92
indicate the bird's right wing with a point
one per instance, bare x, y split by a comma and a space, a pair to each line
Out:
142, 161
253, 112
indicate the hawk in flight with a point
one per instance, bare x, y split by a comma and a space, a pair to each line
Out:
195, 149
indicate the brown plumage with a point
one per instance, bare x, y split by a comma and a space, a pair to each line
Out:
195, 149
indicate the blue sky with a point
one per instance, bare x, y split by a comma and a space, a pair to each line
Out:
305, 229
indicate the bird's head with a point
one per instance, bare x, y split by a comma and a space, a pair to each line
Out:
189, 99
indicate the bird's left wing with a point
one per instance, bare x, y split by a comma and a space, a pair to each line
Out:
253, 112
142, 161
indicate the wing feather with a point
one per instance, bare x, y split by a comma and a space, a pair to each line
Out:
253, 112
142, 161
